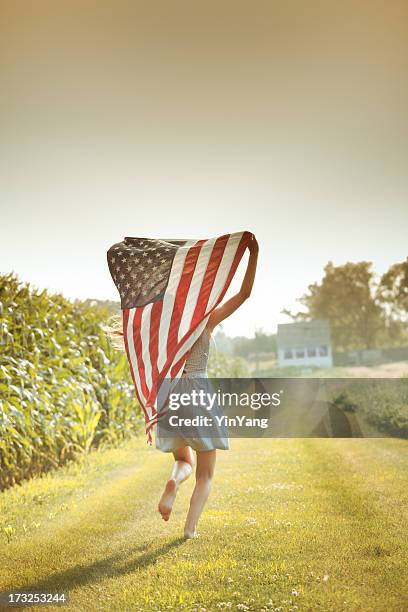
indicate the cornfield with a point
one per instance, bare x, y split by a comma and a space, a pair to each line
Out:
64, 389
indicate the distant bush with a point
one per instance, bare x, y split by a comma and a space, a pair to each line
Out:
343, 402
63, 387
382, 402
224, 366
286, 372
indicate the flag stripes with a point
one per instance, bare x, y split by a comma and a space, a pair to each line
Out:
168, 302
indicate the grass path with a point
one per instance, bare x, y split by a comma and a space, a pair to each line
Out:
307, 524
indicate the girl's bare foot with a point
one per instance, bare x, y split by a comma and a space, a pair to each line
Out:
167, 499
190, 535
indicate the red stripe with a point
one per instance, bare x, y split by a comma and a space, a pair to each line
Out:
138, 348
148, 430
176, 366
154, 348
125, 321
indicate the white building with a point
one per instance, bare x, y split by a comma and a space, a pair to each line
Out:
304, 344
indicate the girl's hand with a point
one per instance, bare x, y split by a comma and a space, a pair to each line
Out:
253, 245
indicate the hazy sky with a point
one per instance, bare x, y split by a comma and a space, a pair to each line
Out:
193, 119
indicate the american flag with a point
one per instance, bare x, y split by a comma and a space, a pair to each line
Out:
168, 289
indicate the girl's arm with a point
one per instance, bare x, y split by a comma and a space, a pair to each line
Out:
224, 311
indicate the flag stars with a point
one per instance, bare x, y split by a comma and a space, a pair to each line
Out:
139, 268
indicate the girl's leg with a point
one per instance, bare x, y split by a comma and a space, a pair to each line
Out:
182, 469
204, 473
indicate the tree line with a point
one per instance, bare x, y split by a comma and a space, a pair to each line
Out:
364, 310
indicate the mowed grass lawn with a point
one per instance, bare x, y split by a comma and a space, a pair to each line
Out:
302, 524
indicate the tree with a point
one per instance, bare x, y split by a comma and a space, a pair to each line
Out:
393, 291
260, 343
346, 298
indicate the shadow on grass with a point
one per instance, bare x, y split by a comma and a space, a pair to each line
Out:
108, 567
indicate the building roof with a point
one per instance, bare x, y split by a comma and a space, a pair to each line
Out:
303, 333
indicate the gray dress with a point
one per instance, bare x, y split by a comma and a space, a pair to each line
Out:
195, 376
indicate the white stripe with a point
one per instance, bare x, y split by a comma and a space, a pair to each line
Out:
195, 286
132, 351
168, 301
145, 338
